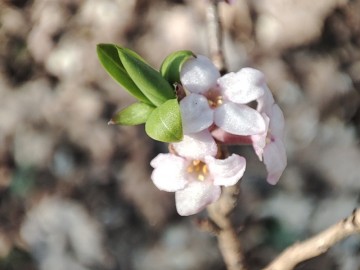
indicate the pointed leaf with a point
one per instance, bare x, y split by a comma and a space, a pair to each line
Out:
171, 66
134, 114
164, 123
109, 58
147, 79
132, 53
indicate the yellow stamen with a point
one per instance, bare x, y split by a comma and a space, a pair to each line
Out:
215, 101
198, 169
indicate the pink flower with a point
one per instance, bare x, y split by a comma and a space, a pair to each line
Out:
269, 145
196, 183
196, 175
212, 99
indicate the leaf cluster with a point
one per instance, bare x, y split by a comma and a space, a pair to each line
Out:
157, 106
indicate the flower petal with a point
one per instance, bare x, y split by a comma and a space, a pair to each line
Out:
169, 172
277, 122
266, 101
244, 86
275, 161
228, 138
196, 113
195, 197
199, 74
239, 119
226, 172
259, 140
196, 146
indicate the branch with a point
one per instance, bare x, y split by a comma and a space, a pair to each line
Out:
214, 32
318, 244
219, 212
229, 243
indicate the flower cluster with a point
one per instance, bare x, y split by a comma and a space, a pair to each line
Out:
205, 111
216, 110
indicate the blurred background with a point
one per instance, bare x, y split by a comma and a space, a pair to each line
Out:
76, 193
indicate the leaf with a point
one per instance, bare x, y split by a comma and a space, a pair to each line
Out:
164, 123
131, 52
147, 79
171, 66
134, 114
109, 58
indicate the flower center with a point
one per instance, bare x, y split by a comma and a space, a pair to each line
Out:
214, 98
198, 169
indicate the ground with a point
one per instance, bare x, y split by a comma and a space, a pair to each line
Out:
76, 193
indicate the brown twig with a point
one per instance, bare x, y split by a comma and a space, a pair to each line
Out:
219, 212
214, 30
317, 244
228, 240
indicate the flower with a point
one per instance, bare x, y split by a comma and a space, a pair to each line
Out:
269, 146
196, 183
194, 174
219, 100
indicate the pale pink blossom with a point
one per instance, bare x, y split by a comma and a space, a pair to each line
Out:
196, 183
269, 145
194, 174
212, 99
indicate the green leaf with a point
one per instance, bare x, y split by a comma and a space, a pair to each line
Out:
171, 66
135, 114
131, 52
109, 58
164, 123
147, 79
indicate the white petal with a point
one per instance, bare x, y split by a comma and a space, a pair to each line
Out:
259, 140
195, 197
239, 119
196, 146
266, 101
228, 138
169, 172
277, 122
226, 172
244, 86
196, 113
275, 161
199, 74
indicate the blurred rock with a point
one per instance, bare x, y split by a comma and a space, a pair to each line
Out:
61, 235
283, 24
180, 248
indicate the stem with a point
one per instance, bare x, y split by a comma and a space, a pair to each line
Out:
214, 31
228, 239
219, 212
317, 244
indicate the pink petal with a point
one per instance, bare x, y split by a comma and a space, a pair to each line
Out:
266, 101
226, 172
239, 119
169, 172
259, 140
199, 74
244, 86
275, 161
196, 146
196, 113
277, 122
195, 197
228, 138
